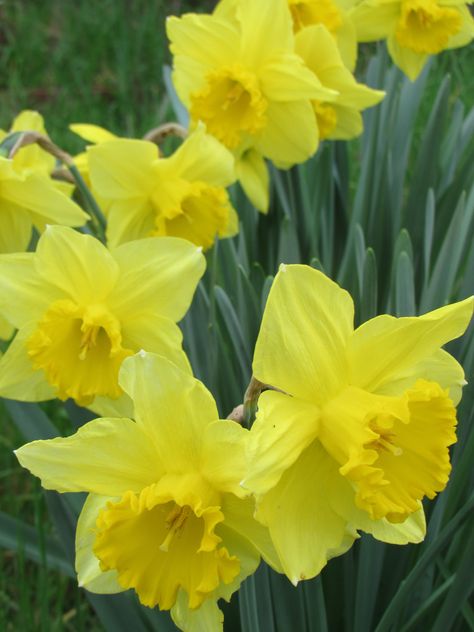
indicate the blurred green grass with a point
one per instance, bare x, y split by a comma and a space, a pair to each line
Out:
95, 62
100, 63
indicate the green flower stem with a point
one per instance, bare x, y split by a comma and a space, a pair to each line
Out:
91, 205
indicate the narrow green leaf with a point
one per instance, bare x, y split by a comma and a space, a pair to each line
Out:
15, 534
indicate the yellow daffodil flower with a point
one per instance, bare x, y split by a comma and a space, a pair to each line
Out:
30, 199
183, 195
165, 514
237, 71
415, 29
340, 118
359, 433
80, 309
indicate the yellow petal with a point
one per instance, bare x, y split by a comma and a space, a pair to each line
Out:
210, 40
43, 201
122, 168
347, 43
202, 157
105, 457
288, 79
156, 334
92, 133
15, 228
284, 427
173, 407
223, 456
263, 38
79, 265
375, 20
441, 367
384, 348
206, 618
252, 173
307, 323
24, 295
128, 220
6, 330
239, 518
409, 61
89, 574
163, 278
291, 133
18, 379
305, 530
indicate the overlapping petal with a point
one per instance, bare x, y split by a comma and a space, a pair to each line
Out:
106, 457
306, 326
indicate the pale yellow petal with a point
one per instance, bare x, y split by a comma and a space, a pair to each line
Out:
288, 79
409, 61
263, 38
38, 195
79, 265
122, 168
6, 330
128, 220
383, 349
307, 323
18, 379
441, 367
252, 173
239, 518
164, 276
106, 457
210, 40
223, 456
24, 294
202, 157
89, 574
305, 530
155, 334
206, 618
375, 20
291, 134
15, 227
173, 407
284, 427
92, 133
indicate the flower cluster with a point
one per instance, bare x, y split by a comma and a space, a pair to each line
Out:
353, 425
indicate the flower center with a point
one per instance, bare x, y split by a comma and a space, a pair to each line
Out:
231, 105
308, 12
158, 546
425, 27
394, 450
202, 213
326, 117
80, 350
